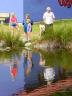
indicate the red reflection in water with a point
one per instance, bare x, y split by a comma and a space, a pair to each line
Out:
14, 70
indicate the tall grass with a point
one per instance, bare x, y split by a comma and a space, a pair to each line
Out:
11, 39
61, 32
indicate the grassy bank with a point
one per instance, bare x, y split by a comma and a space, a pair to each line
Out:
61, 32
10, 39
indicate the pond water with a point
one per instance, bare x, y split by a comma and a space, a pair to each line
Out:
27, 69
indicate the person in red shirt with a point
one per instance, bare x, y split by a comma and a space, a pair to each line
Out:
14, 70
13, 24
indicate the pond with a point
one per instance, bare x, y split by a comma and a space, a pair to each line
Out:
30, 69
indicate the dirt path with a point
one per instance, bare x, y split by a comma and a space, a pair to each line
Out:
48, 90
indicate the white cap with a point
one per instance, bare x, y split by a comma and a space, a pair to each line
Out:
48, 8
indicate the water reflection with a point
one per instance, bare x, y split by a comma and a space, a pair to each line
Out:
28, 64
42, 60
14, 63
32, 69
37, 73
51, 74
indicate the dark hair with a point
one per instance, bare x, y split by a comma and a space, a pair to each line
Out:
31, 22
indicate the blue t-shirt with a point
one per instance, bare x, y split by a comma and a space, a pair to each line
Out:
25, 27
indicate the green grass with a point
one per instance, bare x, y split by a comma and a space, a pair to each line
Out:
65, 93
11, 39
35, 32
58, 58
62, 32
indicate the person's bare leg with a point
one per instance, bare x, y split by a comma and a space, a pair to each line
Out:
17, 28
12, 30
26, 37
30, 35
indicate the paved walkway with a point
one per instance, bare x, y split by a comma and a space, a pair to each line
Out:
48, 90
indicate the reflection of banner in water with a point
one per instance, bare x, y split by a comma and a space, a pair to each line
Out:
65, 3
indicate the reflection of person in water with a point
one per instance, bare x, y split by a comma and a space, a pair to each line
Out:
14, 68
49, 75
28, 63
48, 72
32, 70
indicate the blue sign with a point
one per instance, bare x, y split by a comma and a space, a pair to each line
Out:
36, 8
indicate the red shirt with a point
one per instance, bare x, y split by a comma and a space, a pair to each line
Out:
14, 71
13, 19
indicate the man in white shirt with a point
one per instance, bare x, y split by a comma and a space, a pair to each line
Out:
48, 18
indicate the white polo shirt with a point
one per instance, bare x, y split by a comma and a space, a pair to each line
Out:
48, 17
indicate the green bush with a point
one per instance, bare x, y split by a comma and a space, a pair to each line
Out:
63, 34
11, 39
